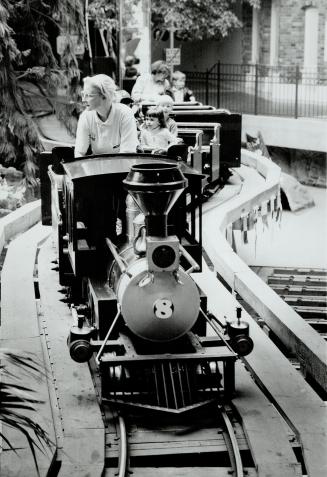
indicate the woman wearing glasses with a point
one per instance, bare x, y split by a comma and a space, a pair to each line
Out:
106, 126
149, 87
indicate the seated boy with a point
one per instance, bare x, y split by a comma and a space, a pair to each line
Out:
179, 91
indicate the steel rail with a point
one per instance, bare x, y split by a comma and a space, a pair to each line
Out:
122, 458
235, 455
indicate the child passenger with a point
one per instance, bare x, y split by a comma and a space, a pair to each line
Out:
154, 133
167, 103
179, 90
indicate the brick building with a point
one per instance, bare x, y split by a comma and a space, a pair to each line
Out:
280, 33
286, 33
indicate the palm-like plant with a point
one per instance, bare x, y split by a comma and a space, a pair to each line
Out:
15, 400
30, 70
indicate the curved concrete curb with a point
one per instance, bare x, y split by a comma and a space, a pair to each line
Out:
21, 331
19, 221
293, 331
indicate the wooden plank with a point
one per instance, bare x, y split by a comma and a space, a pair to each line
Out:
267, 438
159, 436
294, 399
179, 448
20, 331
82, 424
184, 472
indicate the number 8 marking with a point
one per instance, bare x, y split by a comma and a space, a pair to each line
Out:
163, 308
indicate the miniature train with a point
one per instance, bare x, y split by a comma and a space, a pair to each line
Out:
129, 240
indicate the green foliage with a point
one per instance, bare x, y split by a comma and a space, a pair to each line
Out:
17, 402
197, 19
15, 125
27, 54
108, 19
104, 13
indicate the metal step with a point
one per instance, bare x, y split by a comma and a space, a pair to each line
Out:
301, 271
297, 280
310, 311
299, 290
307, 300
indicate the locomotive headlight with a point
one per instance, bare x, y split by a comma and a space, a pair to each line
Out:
241, 342
163, 256
162, 253
242, 345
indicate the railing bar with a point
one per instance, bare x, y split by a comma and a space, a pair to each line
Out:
114, 380
123, 379
131, 391
180, 383
188, 383
164, 383
156, 384
173, 384
277, 77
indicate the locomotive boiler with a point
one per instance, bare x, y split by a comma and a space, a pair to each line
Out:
129, 242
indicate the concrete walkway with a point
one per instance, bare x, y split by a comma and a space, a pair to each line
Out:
299, 241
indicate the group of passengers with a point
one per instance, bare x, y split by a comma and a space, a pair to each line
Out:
108, 126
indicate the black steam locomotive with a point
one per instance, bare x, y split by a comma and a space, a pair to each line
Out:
129, 241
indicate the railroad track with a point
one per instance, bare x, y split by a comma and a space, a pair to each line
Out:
192, 447
244, 437
208, 441
213, 440
305, 290
201, 442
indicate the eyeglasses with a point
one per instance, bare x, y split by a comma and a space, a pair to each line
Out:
88, 95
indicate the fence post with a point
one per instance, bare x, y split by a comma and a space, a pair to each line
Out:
297, 78
256, 78
207, 86
218, 84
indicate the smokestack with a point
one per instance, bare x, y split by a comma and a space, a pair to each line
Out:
155, 187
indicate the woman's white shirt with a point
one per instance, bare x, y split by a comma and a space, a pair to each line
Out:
117, 134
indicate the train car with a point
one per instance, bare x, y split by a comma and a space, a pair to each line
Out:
129, 243
220, 142
230, 132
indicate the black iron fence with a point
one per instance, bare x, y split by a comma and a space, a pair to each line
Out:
259, 89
